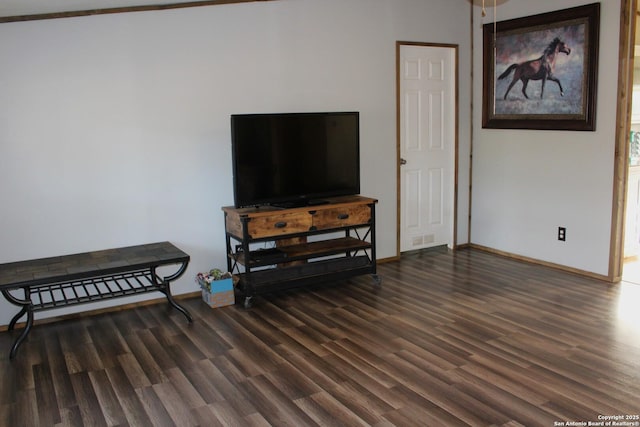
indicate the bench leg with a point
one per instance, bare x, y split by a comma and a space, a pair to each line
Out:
17, 317
163, 285
23, 335
25, 308
175, 305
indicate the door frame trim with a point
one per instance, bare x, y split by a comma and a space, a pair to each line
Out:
456, 55
628, 15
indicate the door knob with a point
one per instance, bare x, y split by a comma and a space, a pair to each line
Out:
402, 161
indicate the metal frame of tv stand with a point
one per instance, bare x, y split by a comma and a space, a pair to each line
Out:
273, 274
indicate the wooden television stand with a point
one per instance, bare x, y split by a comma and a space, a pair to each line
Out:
272, 248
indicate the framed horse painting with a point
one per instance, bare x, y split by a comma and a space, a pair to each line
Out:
541, 71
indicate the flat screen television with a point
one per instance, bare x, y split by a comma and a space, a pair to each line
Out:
294, 159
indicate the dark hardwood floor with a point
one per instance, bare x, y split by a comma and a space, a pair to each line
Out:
449, 339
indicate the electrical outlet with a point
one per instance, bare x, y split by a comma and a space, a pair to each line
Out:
562, 233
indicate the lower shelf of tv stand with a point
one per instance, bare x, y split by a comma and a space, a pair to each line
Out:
281, 278
302, 251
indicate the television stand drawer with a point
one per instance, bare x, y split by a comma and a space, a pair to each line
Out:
279, 224
341, 217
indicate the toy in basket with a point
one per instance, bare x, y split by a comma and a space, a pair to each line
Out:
217, 288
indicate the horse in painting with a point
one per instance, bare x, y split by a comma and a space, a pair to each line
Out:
537, 69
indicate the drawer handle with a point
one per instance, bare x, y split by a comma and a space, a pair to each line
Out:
343, 216
280, 224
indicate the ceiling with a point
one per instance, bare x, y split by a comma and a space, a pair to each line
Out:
37, 7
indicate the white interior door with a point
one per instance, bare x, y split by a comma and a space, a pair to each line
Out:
427, 146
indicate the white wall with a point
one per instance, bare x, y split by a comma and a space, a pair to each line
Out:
114, 129
527, 183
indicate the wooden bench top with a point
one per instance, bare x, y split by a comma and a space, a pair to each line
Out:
88, 264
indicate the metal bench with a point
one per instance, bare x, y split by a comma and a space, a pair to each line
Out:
62, 281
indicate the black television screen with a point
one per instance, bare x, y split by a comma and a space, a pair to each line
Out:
294, 159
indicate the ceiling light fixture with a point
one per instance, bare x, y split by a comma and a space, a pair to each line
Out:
482, 3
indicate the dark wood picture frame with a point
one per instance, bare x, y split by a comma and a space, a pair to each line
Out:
566, 98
